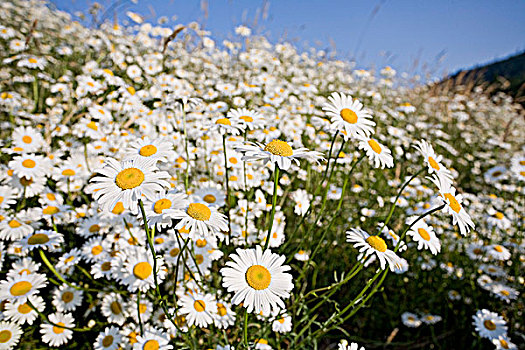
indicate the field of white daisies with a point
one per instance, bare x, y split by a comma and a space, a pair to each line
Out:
159, 190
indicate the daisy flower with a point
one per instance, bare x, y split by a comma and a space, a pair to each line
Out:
109, 339
424, 235
153, 339
504, 292
66, 298
282, 324
431, 319
201, 220
227, 126
250, 119
453, 205
10, 334
277, 151
349, 116
14, 227
498, 252
373, 245
200, 309
161, 208
343, 345
144, 148
42, 239
225, 316
137, 272
113, 308
258, 279
210, 196
489, 324
377, 153
19, 287
410, 320
127, 182
503, 343
27, 138
56, 336
22, 313
433, 161
29, 166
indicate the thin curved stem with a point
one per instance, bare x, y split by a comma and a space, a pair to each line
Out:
274, 202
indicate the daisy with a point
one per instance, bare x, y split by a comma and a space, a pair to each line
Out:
161, 208
22, 313
109, 339
67, 298
14, 227
113, 308
225, 316
19, 287
431, 319
282, 324
433, 161
498, 252
27, 138
349, 116
42, 239
56, 336
227, 126
489, 324
144, 148
29, 166
210, 196
373, 245
201, 221
343, 345
7, 197
410, 320
137, 272
127, 182
10, 334
424, 235
302, 201
249, 118
277, 151
453, 205
377, 153
153, 339
200, 309
503, 343
504, 292
257, 279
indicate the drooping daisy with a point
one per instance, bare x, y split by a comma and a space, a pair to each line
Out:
201, 220
424, 235
277, 151
377, 153
433, 161
56, 336
109, 339
200, 309
453, 205
373, 245
349, 116
19, 287
258, 279
489, 324
10, 334
127, 182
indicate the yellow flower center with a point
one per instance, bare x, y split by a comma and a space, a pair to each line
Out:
498, 248
68, 172
25, 181
38, 238
209, 198
258, 277
221, 309
247, 119
199, 259
199, 305
106, 266
107, 341
433, 163
174, 252
118, 209
27, 139
424, 234
377, 243
453, 202
348, 115
92, 125
96, 250
199, 211
223, 121
20, 288
151, 345
67, 297
129, 178
375, 146
489, 325
24, 308
59, 330
142, 270
279, 148
499, 215
5, 336
505, 292
143, 308
14, 224
148, 150
504, 343
201, 243
50, 210
116, 308
29, 163
94, 228
161, 204
32, 60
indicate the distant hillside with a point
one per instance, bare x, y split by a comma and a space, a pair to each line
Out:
507, 75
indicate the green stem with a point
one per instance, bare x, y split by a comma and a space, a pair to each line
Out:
138, 314
274, 202
55, 272
245, 333
227, 174
45, 318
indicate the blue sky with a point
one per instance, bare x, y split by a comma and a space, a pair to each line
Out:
444, 34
